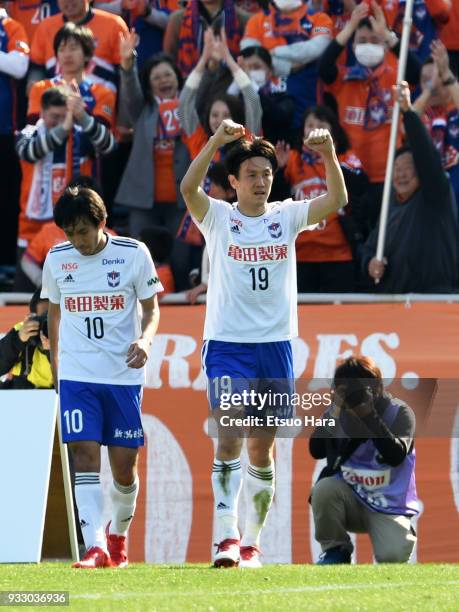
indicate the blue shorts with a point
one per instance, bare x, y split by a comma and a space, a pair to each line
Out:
264, 369
108, 414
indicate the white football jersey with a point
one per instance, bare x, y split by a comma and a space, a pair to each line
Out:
252, 290
100, 313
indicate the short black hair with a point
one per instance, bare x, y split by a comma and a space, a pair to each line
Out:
218, 175
85, 180
246, 149
80, 34
36, 299
403, 149
159, 241
323, 113
152, 62
79, 203
258, 51
364, 23
234, 104
54, 96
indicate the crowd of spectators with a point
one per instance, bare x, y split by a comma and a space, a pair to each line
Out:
124, 93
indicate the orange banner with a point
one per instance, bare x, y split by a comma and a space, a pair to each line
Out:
174, 520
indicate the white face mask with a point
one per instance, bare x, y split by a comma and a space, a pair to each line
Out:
369, 54
288, 5
258, 77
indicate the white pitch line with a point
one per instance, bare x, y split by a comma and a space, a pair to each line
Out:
304, 589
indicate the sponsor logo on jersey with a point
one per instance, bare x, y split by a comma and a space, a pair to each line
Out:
152, 281
260, 253
94, 303
69, 279
235, 229
113, 278
113, 262
66, 267
275, 230
369, 479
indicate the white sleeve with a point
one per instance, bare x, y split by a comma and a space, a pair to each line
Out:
14, 63
49, 287
216, 209
146, 282
205, 267
298, 213
303, 52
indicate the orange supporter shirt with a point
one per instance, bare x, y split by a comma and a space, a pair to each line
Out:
327, 242
450, 32
365, 109
106, 28
30, 13
166, 277
48, 236
100, 103
99, 99
263, 26
163, 151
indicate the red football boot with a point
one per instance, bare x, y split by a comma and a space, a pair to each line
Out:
116, 545
227, 554
94, 557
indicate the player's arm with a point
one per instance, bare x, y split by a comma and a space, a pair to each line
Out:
336, 197
195, 198
139, 350
54, 319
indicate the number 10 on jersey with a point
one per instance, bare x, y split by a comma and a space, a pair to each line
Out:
94, 327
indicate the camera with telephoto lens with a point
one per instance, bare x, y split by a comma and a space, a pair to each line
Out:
42, 321
356, 394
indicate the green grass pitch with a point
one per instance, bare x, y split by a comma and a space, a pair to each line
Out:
142, 587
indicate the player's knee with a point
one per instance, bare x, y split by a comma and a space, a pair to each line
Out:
260, 451
125, 477
228, 449
85, 459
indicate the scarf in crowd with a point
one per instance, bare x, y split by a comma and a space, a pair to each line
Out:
192, 33
288, 26
442, 123
40, 201
376, 109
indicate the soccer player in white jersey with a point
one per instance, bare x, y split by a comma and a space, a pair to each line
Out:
251, 310
103, 314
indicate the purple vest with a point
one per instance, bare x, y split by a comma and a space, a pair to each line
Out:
381, 487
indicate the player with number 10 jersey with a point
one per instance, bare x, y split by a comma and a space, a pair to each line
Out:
103, 314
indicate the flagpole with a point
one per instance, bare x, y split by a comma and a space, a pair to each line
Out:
404, 43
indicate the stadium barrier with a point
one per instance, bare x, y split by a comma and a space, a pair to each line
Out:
412, 343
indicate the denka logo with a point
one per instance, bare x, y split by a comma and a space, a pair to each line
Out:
113, 262
152, 281
66, 267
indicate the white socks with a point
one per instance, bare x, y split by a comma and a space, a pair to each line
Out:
88, 495
226, 485
259, 493
123, 506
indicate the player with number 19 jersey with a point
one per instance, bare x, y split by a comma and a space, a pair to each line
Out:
252, 295
100, 317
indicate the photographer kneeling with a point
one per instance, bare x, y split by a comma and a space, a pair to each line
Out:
24, 350
368, 484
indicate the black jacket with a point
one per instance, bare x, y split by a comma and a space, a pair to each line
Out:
13, 351
422, 234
